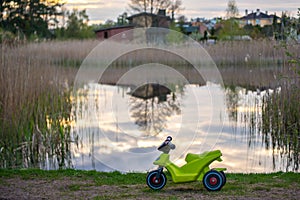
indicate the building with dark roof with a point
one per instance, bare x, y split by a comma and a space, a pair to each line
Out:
143, 19
257, 18
104, 33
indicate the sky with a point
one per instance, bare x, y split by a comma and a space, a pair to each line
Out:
101, 10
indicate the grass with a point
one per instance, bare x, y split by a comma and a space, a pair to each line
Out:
99, 178
279, 179
108, 185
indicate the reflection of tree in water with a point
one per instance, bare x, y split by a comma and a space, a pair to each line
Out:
243, 106
232, 100
151, 105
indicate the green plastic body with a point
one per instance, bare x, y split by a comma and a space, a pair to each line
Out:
195, 168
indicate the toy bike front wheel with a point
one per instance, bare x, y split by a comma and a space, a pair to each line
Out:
156, 180
213, 180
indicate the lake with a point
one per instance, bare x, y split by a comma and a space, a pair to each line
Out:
117, 129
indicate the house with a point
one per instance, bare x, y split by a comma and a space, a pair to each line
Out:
257, 18
143, 19
202, 27
146, 19
104, 33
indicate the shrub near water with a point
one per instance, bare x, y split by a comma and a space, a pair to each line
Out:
35, 107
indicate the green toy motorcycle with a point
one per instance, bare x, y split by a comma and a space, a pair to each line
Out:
195, 169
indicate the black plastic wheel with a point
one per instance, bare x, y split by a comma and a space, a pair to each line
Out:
224, 177
213, 180
154, 182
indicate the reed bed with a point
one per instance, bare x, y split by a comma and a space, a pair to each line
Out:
35, 85
254, 53
281, 121
250, 53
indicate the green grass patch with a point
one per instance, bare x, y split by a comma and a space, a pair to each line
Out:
116, 185
100, 178
279, 179
237, 184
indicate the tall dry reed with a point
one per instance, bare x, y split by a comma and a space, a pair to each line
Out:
35, 84
249, 53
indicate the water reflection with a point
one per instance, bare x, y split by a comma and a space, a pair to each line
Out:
151, 105
110, 136
123, 135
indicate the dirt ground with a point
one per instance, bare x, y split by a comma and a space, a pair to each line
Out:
68, 188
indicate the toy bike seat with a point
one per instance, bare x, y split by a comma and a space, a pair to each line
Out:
191, 156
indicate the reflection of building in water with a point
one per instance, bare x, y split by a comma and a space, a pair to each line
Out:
151, 105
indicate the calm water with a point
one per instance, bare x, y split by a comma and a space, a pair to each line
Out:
118, 130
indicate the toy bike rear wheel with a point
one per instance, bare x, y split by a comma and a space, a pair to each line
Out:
213, 180
156, 180
224, 177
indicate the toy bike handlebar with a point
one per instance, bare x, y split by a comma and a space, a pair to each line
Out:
167, 145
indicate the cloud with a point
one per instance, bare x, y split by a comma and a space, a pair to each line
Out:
97, 4
100, 10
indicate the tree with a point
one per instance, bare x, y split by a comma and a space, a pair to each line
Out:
152, 6
122, 19
28, 18
175, 7
77, 25
232, 10
230, 26
140, 5
181, 21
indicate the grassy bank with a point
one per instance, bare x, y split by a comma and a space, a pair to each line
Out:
76, 184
